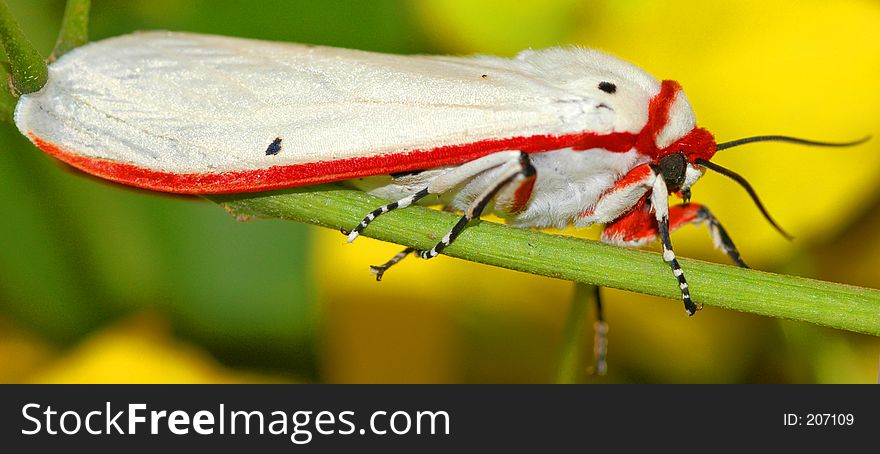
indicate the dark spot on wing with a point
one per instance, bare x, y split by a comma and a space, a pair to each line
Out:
607, 87
274, 147
485, 76
405, 174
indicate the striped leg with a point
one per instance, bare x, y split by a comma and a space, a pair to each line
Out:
402, 203
514, 171
669, 257
637, 227
660, 204
719, 235
379, 270
439, 185
695, 213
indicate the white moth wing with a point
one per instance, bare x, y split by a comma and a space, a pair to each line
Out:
189, 103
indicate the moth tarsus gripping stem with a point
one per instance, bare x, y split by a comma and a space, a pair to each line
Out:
449, 237
669, 257
721, 238
372, 215
689, 305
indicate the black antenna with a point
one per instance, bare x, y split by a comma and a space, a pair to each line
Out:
738, 142
745, 184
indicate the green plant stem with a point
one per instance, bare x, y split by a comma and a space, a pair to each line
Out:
570, 369
562, 257
7, 100
74, 28
29, 72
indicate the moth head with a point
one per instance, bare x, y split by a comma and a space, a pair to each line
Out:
679, 173
678, 161
681, 151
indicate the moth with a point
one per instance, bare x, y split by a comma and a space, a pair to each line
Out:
550, 138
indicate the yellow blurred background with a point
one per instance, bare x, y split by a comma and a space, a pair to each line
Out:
101, 284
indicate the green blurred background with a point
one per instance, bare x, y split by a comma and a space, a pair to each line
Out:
104, 284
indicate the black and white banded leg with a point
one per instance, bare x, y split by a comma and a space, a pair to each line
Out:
379, 270
512, 172
720, 237
372, 215
660, 205
443, 183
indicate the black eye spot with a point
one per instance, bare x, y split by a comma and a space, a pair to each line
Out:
607, 87
274, 147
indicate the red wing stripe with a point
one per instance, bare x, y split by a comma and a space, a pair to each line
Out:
278, 177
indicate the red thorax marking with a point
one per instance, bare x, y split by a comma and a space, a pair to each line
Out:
698, 143
658, 117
